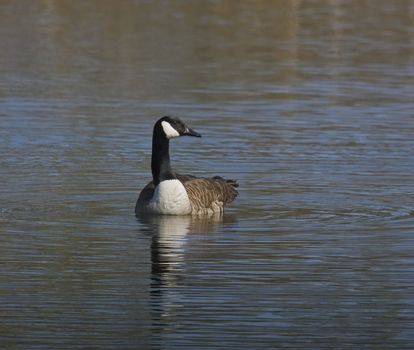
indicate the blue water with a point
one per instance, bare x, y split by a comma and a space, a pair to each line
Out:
307, 104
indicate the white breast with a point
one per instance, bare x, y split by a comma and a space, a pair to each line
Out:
170, 197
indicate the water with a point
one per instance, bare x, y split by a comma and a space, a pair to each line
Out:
308, 104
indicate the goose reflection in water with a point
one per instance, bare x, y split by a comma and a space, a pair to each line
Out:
169, 245
169, 240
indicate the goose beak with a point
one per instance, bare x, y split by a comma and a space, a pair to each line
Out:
191, 132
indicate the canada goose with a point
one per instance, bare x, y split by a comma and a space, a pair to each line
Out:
175, 194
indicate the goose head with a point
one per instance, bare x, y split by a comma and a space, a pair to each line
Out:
171, 127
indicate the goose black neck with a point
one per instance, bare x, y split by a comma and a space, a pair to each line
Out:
160, 162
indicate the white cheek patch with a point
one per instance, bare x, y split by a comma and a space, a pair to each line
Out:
169, 131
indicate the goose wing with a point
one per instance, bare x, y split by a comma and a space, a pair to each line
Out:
144, 197
210, 193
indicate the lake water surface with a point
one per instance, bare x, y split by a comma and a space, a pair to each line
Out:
308, 104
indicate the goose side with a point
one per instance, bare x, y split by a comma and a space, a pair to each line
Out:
171, 193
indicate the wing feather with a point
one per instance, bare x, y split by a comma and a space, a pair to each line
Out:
144, 197
210, 194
